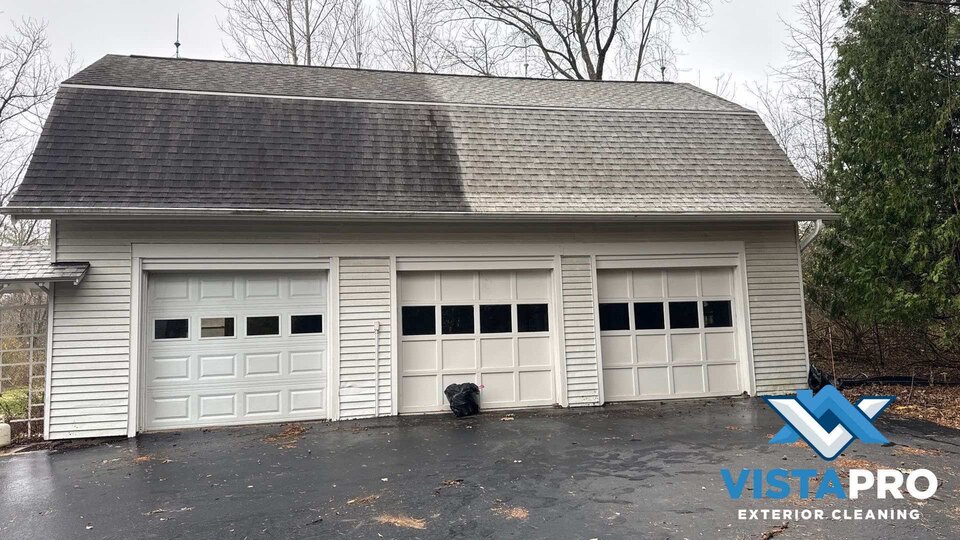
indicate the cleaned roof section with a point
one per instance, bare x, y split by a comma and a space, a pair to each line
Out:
639, 150
32, 264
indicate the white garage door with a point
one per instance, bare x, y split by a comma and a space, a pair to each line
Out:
669, 333
492, 328
235, 348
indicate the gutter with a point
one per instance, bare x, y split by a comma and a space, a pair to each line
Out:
808, 239
24, 212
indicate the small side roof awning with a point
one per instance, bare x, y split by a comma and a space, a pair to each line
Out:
32, 265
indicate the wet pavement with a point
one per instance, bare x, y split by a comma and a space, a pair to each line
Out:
649, 470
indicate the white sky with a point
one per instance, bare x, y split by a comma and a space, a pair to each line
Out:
743, 37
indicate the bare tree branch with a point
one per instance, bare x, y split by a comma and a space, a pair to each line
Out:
807, 81
308, 32
578, 38
409, 34
28, 83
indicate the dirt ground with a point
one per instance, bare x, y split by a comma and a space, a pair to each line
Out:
936, 404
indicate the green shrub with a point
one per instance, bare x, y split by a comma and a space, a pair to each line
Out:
13, 404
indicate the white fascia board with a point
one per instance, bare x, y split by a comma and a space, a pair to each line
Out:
368, 215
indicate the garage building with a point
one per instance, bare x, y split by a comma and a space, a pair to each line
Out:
270, 243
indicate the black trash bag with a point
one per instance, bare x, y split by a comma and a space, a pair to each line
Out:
464, 399
817, 379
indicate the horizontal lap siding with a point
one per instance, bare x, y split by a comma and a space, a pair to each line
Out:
579, 327
90, 361
364, 292
776, 312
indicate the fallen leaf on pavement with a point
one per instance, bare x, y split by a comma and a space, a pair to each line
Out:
774, 531
403, 521
364, 500
511, 512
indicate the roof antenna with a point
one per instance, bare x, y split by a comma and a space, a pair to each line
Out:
177, 42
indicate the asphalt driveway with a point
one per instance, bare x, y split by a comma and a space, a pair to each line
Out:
641, 471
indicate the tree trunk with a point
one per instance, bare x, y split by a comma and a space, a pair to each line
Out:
307, 32
293, 37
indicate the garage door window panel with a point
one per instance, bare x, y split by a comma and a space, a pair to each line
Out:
268, 325
717, 314
648, 315
168, 329
457, 320
419, 320
217, 327
306, 324
614, 316
496, 319
684, 315
533, 318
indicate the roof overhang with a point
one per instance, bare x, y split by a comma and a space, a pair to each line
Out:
340, 215
61, 272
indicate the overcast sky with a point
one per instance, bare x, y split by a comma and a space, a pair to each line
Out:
743, 37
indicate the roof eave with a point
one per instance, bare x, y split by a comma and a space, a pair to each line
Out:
81, 272
339, 215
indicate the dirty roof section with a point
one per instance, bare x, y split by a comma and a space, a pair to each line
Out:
32, 264
148, 136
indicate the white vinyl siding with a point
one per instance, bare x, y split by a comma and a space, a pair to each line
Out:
580, 338
776, 314
90, 370
364, 287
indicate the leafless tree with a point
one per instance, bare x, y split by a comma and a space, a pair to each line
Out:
307, 32
410, 33
359, 30
28, 83
725, 86
773, 107
480, 47
581, 39
807, 80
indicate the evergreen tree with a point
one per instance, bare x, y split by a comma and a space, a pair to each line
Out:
894, 176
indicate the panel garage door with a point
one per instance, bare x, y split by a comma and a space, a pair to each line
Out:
492, 328
669, 333
234, 348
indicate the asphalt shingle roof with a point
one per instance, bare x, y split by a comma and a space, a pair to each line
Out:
32, 264
386, 143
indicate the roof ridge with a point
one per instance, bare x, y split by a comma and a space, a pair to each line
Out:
120, 88
400, 72
699, 90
